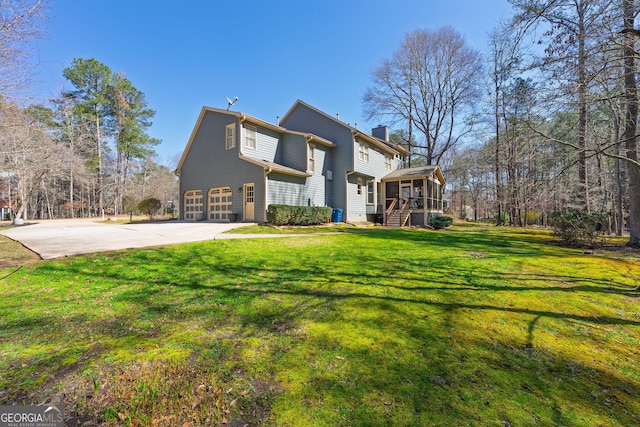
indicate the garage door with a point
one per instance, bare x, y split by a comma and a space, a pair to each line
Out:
219, 203
193, 205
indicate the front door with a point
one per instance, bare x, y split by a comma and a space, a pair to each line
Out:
406, 193
249, 202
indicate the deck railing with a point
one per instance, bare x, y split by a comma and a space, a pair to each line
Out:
403, 211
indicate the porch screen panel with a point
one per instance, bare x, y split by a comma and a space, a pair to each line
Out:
418, 193
392, 191
437, 196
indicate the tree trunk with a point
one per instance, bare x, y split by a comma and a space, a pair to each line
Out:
100, 177
631, 94
619, 218
583, 186
497, 154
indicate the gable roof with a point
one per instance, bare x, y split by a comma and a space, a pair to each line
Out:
387, 146
415, 172
380, 143
240, 116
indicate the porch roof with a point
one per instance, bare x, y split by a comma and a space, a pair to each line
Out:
275, 167
415, 172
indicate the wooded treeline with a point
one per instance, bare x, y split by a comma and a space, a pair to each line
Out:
87, 153
84, 153
546, 122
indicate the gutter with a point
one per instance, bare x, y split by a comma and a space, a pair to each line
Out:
266, 190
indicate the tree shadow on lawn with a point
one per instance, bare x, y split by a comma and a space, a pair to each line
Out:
423, 370
426, 374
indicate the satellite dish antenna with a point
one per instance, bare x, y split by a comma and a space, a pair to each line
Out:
231, 102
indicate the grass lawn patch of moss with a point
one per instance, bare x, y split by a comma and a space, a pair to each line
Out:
474, 325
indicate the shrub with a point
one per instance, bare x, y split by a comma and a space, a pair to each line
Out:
298, 215
530, 217
149, 206
505, 218
576, 228
441, 221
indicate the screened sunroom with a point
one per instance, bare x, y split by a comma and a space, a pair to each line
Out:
412, 196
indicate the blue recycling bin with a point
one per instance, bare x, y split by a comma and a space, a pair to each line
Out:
336, 215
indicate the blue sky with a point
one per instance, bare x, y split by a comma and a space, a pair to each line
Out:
184, 55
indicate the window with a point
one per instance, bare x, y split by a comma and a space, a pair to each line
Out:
387, 163
371, 194
363, 152
359, 186
231, 136
250, 137
311, 165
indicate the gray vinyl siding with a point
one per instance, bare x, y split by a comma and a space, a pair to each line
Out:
297, 191
294, 191
375, 167
316, 183
357, 210
374, 170
340, 161
293, 151
208, 164
267, 142
324, 164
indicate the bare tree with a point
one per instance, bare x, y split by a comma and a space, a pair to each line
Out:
27, 153
574, 31
504, 59
430, 84
20, 23
587, 50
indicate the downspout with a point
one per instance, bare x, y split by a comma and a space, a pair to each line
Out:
241, 120
266, 190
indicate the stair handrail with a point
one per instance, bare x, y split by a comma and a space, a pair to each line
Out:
405, 210
389, 210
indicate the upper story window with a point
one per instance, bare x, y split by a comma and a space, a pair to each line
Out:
363, 152
311, 164
249, 137
387, 163
231, 136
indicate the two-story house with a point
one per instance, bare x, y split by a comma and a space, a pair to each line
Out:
235, 166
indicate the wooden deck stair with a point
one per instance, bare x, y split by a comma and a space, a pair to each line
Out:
398, 218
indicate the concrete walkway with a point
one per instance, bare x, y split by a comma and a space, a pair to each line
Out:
60, 238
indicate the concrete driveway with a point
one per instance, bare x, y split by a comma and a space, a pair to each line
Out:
59, 238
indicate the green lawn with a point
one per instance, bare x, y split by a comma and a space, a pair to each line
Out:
475, 325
